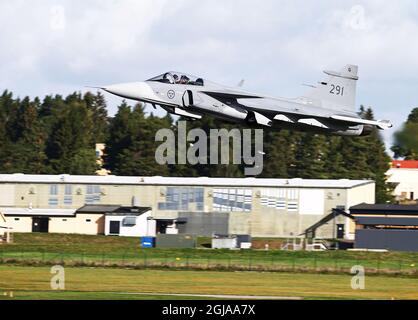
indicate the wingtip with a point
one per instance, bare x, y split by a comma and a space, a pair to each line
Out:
385, 124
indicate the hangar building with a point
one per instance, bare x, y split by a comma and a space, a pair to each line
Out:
404, 175
259, 207
386, 226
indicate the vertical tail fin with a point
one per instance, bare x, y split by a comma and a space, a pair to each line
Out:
338, 91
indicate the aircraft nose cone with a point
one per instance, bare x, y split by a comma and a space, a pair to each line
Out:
133, 90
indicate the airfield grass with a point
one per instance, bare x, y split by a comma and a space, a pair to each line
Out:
78, 250
119, 284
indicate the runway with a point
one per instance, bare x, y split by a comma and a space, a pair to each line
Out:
214, 296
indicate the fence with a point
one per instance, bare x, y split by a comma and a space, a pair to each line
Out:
211, 260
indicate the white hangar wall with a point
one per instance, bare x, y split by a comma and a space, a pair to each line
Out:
260, 207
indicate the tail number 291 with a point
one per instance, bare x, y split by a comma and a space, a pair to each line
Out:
337, 90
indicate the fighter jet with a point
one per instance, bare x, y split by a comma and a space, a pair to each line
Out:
328, 107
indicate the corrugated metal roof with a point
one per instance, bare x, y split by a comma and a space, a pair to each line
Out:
100, 209
384, 209
129, 211
97, 208
38, 212
401, 221
164, 181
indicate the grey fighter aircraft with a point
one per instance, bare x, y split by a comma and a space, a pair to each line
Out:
329, 107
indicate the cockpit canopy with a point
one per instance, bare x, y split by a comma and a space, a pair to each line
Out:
173, 77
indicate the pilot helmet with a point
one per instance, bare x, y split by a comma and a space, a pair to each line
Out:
184, 79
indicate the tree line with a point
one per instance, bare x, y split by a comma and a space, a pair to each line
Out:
58, 135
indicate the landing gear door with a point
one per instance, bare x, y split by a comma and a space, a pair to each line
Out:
188, 98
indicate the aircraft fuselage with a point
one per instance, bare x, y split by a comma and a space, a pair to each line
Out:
320, 111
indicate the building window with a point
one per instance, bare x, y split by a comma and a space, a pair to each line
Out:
64, 220
52, 202
182, 199
89, 189
237, 200
53, 195
292, 206
281, 204
129, 221
17, 219
93, 194
53, 190
68, 189
68, 200
88, 220
68, 195
293, 194
279, 198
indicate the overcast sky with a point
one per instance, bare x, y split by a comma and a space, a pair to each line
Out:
276, 46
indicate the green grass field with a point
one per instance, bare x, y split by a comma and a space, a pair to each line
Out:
100, 283
78, 250
99, 267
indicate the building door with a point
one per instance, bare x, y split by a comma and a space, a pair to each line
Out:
340, 231
40, 225
161, 227
114, 227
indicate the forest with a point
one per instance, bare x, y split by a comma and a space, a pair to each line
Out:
57, 135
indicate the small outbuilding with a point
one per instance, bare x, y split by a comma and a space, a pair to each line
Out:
124, 221
89, 220
386, 226
231, 241
130, 222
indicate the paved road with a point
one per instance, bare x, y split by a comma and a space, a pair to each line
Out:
215, 296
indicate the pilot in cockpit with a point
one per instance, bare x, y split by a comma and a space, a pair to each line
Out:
176, 79
184, 80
